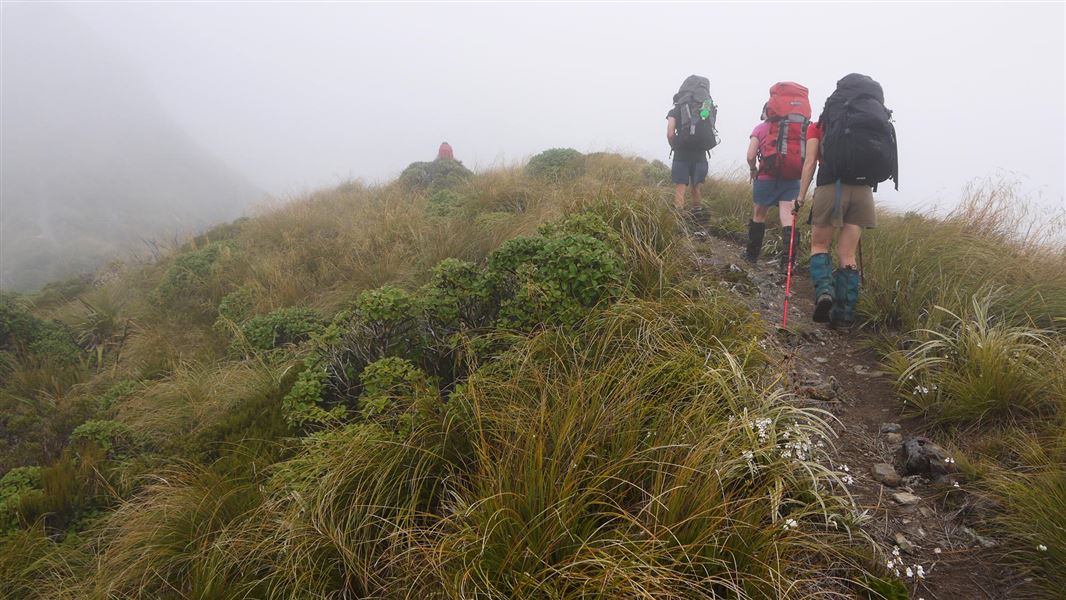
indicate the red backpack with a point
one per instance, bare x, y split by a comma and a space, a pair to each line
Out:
784, 149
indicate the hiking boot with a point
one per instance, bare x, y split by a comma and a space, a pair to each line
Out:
756, 231
822, 277
786, 237
846, 287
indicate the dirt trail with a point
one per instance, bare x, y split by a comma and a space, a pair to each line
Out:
839, 373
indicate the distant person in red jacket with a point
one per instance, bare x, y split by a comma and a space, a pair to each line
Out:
445, 152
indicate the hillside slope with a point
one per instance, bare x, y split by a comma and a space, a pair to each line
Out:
526, 383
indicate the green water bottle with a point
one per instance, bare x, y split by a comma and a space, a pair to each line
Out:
705, 110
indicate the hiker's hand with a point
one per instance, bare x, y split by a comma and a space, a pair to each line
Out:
797, 204
754, 173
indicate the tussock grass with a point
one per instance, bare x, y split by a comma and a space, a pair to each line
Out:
984, 246
975, 369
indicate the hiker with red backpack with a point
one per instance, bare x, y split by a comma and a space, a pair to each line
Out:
853, 145
690, 130
776, 152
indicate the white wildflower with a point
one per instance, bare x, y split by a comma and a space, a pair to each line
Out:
937, 550
791, 524
1041, 547
909, 572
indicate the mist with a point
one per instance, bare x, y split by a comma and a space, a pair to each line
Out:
283, 98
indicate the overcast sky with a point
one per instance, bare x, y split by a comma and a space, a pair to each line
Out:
300, 95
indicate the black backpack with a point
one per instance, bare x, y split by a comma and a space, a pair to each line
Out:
858, 138
696, 115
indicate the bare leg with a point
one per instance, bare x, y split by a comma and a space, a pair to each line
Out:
679, 196
784, 210
695, 195
847, 243
821, 238
759, 216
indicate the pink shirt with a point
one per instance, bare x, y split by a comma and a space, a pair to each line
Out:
760, 132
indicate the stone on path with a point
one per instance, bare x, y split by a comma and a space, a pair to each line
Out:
920, 456
890, 427
906, 498
886, 474
903, 543
893, 438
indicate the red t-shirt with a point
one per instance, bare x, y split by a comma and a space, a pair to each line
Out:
814, 132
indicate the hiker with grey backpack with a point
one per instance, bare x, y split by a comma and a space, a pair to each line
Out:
690, 131
853, 146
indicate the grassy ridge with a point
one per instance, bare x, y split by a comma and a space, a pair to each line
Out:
458, 385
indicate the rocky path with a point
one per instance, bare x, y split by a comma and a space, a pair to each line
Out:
923, 521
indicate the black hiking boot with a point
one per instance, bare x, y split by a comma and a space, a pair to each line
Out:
756, 231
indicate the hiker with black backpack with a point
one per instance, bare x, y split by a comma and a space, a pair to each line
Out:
854, 146
776, 152
691, 134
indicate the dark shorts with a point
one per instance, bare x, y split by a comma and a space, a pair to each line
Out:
688, 172
768, 192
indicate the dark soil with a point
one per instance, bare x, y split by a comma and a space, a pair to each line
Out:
938, 531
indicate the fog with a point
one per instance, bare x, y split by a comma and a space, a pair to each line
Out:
291, 96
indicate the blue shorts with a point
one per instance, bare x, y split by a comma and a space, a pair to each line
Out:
688, 172
768, 192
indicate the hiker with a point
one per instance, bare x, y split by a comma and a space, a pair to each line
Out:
691, 134
854, 146
775, 157
445, 152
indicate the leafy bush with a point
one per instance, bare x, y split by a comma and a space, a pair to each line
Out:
114, 438
557, 164
237, 306
281, 327
24, 334
302, 404
656, 173
394, 391
189, 271
434, 175
570, 275
13, 485
456, 298
444, 203
583, 223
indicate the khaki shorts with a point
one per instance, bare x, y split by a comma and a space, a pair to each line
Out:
856, 206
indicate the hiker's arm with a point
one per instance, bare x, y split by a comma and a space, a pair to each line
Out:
753, 152
809, 164
671, 127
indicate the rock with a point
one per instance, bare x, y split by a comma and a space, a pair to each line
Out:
821, 360
983, 541
866, 372
890, 428
886, 474
926, 512
903, 543
893, 438
906, 498
920, 456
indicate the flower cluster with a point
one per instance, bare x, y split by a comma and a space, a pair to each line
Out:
914, 571
790, 524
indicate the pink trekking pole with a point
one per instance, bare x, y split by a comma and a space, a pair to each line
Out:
788, 276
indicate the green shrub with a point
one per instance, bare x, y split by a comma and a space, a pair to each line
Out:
114, 438
583, 223
282, 327
23, 334
457, 297
434, 175
394, 390
189, 271
656, 173
302, 404
116, 392
384, 322
13, 485
557, 164
444, 203
237, 306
